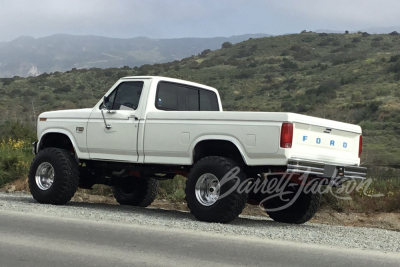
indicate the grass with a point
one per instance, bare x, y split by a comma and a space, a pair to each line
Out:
15, 159
380, 194
173, 189
383, 195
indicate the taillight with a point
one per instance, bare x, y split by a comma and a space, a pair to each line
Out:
286, 135
360, 147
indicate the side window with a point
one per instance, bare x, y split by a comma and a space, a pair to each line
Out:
126, 96
188, 99
167, 96
111, 98
171, 96
208, 101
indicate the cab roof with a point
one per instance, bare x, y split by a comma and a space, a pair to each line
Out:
172, 80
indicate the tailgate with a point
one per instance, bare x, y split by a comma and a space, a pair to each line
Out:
339, 145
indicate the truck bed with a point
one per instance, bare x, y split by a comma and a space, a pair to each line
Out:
257, 134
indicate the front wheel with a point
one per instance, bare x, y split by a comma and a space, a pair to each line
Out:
53, 176
209, 198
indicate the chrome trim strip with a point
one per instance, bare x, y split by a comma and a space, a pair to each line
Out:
356, 173
317, 168
306, 167
321, 163
302, 171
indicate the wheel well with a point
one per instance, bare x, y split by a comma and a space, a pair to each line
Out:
57, 140
220, 148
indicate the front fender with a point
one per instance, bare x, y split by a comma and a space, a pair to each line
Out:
80, 154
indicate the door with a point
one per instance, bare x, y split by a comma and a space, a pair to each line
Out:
117, 141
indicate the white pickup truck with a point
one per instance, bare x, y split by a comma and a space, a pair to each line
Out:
147, 129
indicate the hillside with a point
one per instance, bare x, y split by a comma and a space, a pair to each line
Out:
353, 78
27, 56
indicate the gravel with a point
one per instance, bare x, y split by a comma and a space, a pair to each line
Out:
261, 227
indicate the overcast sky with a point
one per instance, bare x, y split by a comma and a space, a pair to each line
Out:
190, 18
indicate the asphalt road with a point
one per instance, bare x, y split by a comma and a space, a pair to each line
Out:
28, 239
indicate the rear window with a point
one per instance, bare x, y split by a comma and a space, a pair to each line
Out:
173, 96
208, 101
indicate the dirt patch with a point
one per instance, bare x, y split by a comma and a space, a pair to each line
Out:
20, 185
389, 221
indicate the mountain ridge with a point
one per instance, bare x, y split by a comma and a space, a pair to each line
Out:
62, 52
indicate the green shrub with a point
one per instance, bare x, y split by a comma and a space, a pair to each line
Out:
324, 42
227, 45
308, 39
285, 53
173, 189
239, 97
357, 97
288, 64
246, 74
376, 44
348, 79
394, 58
15, 159
295, 48
378, 39
204, 53
7, 81
368, 125
383, 92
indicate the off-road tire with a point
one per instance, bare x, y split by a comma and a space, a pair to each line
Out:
66, 176
140, 192
223, 210
301, 211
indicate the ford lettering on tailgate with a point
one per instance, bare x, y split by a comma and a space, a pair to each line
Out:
330, 141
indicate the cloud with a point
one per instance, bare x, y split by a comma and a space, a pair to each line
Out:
92, 16
362, 13
189, 18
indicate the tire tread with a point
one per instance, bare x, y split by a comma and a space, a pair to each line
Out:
67, 178
235, 201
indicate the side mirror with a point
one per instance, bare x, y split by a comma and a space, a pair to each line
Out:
106, 102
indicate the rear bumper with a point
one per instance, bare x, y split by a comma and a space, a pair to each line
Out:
325, 170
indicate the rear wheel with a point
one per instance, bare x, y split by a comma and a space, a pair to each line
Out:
208, 198
53, 176
135, 191
303, 208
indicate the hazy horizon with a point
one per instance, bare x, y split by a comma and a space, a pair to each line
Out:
183, 19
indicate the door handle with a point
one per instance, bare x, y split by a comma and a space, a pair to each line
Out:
133, 117
111, 111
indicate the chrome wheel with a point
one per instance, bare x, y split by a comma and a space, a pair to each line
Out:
207, 189
44, 176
